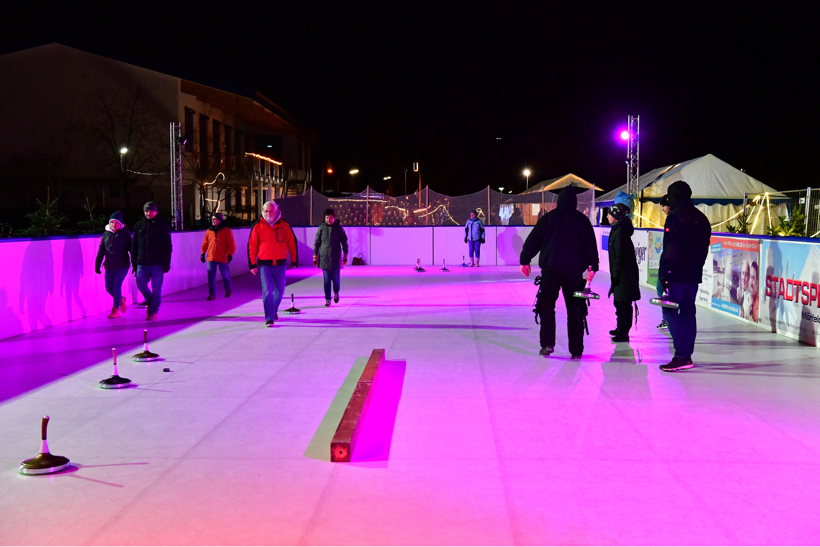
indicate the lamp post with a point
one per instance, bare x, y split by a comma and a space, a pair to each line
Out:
352, 173
527, 174
123, 152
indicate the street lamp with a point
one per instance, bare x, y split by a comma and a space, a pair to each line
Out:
123, 152
387, 178
527, 174
353, 172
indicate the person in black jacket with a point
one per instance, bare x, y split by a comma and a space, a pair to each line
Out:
114, 248
330, 243
623, 270
566, 241
151, 257
686, 240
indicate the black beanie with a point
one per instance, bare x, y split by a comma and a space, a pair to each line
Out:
619, 211
665, 201
149, 206
219, 217
116, 215
678, 191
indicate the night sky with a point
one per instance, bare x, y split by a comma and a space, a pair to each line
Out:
389, 83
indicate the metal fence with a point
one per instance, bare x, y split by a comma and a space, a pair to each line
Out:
425, 208
790, 212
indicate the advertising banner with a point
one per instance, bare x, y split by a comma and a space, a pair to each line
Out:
639, 242
735, 277
789, 299
654, 246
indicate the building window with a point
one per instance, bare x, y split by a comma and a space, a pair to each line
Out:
189, 130
217, 142
203, 142
228, 147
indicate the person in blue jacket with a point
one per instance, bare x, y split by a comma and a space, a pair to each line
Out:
474, 237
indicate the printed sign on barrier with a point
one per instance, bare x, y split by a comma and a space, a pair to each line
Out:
735, 276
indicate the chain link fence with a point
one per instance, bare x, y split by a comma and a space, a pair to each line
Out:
786, 213
425, 208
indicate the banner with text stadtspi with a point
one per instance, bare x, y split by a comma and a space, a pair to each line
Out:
789, 299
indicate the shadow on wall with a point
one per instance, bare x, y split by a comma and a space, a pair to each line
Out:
36, 283
72, 273
510, 242
7, 315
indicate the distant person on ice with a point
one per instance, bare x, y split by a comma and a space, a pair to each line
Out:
686, 240
218, 248
330, 253
270, 241
114, 250
151, 257
474, 237
568, 248
623, 270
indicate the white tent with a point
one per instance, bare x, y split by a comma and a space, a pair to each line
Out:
552, 185
717, 189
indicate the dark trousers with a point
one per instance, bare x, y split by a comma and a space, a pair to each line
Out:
224, 269
682, 324
153, 296
475, 248
113, 283
576, 310
332, 276
623, 313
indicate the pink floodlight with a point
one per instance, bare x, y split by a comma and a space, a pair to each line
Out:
624, 135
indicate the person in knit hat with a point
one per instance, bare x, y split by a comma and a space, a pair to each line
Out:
666, 210
151, 257
623, 270
218, 248
114, 250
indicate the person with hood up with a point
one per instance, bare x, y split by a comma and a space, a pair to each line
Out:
474, 237
270, 240
114, 250
568, 248
623, 270
330, 253
151, 257
218, 248
686, 239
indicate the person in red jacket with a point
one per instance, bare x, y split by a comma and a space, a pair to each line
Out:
270, 241
218, 248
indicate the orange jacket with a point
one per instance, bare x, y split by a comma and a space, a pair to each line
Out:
218, 244
268, 245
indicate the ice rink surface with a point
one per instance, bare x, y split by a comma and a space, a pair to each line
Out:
472, 437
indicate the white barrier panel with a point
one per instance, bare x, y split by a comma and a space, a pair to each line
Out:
46, 282
448, 244
509, 242
401, 246
305, 237
358, 243
602, 238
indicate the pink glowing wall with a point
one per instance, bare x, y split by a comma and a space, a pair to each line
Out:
52, 281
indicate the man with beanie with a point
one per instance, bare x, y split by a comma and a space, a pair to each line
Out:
686, 240
151, 257
568, 248
666, 209
114, 248
270, 240
623, 270
474, 237
218, 248
330, 253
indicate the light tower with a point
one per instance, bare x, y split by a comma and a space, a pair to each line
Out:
633, 124
176, 143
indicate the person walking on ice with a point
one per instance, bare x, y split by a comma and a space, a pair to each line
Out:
330, 253
218, 248
474, 237
114, 250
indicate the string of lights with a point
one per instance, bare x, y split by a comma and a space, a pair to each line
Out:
257, 156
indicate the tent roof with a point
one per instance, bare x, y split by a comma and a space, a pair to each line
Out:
708, 176
560, 182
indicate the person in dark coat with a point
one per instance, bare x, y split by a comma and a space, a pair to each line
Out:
623, 270
568, 248
115, 247
151, 257
665, 209
686, 239
330, 253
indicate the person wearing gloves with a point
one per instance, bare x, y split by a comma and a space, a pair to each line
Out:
218, 248
623, 270
686, 239
270, 241
569, 254
151, 257
113, 253
474, 237
330, 253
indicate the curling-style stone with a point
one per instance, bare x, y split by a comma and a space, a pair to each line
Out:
292, 310
115, 381
586, 293
464, 262
418, 268
664, 302
145, 355
45, 462
444, 266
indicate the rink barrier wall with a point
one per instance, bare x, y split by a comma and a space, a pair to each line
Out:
788, 272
